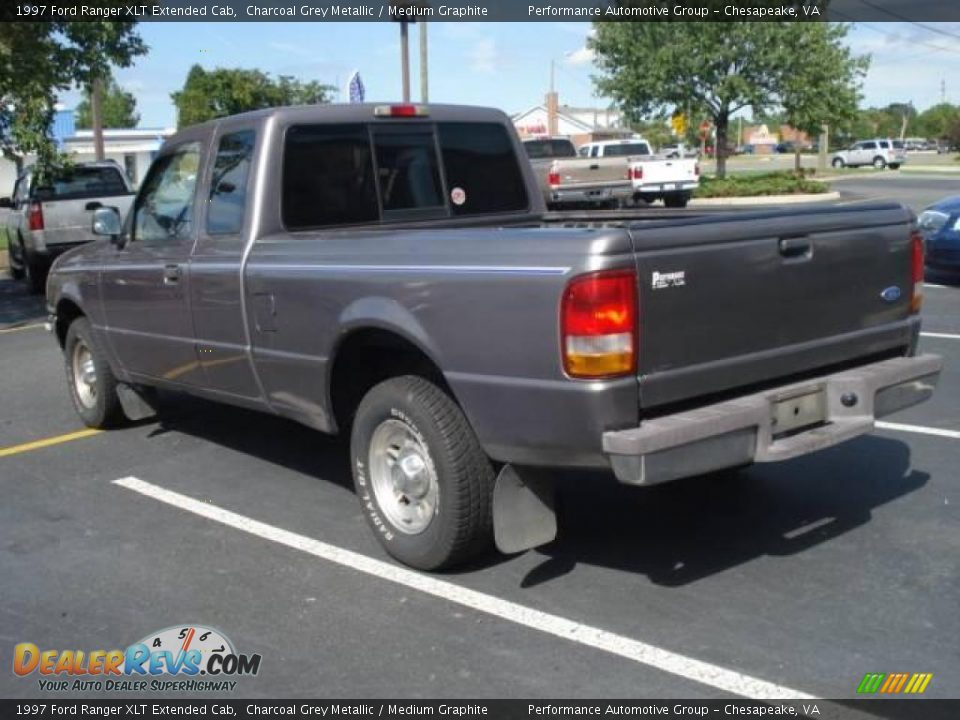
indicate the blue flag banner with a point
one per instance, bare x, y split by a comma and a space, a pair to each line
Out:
356, 89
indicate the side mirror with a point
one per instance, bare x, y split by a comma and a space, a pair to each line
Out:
106, 222
6, 202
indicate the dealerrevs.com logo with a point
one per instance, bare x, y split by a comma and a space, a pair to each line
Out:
187, 658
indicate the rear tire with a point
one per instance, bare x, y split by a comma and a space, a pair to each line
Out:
92, 384
35, 272
894, 166
879, 163
424, 482
16, 266
838, 163
676, 200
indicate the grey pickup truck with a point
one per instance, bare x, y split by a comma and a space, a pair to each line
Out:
388, 272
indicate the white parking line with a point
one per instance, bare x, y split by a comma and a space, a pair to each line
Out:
705, 673
948, 336
920, 429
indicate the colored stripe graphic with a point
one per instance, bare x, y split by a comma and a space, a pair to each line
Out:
894, 683
870, 683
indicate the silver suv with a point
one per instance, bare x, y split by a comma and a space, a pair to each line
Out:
879, 152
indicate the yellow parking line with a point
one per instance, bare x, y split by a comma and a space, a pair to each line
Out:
33, 326
47, 442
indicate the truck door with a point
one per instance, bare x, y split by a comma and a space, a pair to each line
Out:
145, 288
216, 288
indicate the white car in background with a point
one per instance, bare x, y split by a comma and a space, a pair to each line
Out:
879, 152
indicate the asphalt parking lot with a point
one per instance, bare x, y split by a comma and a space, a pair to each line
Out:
786, 580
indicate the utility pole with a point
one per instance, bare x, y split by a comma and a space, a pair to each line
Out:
405, 59
823, 149
943, 90
424, 84
96, 100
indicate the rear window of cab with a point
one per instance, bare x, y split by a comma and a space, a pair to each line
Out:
364, 173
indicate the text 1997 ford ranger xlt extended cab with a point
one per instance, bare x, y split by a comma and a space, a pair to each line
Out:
389, 272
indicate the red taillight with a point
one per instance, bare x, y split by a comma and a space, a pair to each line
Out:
405, 110
636, 172
916, 271
35, 216
553, 178
598, 324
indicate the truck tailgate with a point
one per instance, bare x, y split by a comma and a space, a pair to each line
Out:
667, 171
739, 299
592, 172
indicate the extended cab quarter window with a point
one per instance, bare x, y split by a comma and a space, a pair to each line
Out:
164, 209
228, 184
328, 177
481, 169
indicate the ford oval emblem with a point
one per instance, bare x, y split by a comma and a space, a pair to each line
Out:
891, 294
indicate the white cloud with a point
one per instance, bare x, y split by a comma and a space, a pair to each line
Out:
580, 56
483, 55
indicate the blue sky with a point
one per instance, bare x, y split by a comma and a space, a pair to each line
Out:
505, 65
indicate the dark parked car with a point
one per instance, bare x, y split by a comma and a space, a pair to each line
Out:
940, 225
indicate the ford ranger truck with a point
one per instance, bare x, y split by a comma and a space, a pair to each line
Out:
354, 268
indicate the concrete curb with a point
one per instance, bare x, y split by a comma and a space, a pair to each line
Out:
765, 200
4, 261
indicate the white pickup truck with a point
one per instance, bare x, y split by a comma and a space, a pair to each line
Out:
612, 172
48, 216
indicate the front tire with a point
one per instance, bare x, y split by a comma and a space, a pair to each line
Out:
424, 482
93, 387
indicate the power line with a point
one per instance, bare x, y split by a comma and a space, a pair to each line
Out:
929, 28
939, 48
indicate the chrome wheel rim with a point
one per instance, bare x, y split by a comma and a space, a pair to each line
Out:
403, 477
84, 375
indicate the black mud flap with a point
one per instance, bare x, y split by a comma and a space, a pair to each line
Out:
523, 510
137, 404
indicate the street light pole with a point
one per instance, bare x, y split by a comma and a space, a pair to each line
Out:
424, 85
405, 59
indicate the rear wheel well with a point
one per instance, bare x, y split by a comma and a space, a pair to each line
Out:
67, 312
368, 357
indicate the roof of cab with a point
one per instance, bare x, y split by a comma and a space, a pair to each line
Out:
351, 113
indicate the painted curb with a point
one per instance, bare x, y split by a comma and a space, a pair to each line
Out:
766, 200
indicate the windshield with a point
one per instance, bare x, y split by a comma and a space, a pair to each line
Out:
638, 148
539, 149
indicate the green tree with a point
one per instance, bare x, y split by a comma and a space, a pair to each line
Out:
656, 67
207, 95
936, 121
118, 108
824, 86
38, 60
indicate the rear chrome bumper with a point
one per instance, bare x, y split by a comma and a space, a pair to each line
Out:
742, 431
586, 195
667, 187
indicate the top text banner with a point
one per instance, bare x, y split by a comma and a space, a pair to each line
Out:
487, 10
